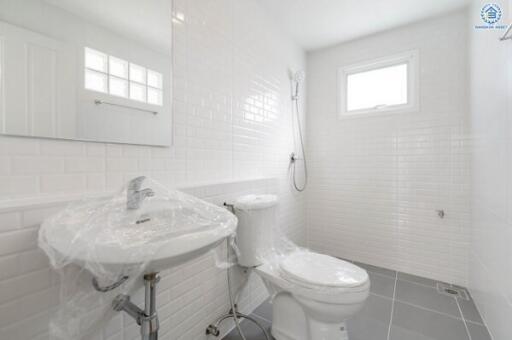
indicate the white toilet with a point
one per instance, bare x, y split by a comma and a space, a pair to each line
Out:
313, 293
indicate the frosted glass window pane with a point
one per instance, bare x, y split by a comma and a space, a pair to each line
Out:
95, 81
154, 96
382, 87
118, 67
119, 77
154, 79
137, 92
118, 87
95, 60
137, 73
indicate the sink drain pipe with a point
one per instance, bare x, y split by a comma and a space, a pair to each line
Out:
146, 318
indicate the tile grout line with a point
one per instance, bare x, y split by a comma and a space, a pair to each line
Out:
463, 319
392, 306
419, 283
381, 275
260, 317
476, 323
425, 285
430, 310
382, 296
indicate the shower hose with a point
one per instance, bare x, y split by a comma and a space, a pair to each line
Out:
294, 160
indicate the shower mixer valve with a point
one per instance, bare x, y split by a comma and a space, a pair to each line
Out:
294, 158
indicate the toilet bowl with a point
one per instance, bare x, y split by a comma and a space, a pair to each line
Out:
313, 302
313, 294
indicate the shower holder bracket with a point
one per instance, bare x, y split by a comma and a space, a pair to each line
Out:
294, 158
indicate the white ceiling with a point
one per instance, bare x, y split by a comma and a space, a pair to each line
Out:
319, 23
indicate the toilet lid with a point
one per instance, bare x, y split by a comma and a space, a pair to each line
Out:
322, 270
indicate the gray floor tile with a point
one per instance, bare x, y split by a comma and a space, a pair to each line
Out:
264, 311
372, 322
469, 311
381, 285
411, 323
478, 332
417, 279
251, 331
426, 297
376, 270
411, 319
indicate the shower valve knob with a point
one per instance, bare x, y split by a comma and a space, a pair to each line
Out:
294, 157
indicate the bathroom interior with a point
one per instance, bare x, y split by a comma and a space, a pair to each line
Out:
255, 170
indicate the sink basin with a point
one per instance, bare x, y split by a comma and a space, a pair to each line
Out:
102, 247
105, 237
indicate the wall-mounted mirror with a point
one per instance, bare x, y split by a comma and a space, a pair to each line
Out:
96, 70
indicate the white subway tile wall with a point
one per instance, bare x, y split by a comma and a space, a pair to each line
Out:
377, 181
232, 120
190, 296
490, 274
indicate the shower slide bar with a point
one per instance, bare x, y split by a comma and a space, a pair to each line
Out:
507, 35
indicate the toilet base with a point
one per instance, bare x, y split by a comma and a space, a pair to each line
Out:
290, 322
338, 332
327, 331
278, 335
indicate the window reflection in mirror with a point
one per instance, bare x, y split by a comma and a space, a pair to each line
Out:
96, 70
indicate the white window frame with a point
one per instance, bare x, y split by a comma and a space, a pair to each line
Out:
147, 87
411, 58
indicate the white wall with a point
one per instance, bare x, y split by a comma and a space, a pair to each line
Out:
490, 278
232, 120
376, 182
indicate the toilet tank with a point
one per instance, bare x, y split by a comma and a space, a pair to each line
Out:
256, 220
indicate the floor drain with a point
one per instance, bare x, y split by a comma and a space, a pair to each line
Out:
446, 289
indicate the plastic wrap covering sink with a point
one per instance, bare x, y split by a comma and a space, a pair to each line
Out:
110, 242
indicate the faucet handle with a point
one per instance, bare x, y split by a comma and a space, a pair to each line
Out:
135, 195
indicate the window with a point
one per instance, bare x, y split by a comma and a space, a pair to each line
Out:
384, 85
120, 78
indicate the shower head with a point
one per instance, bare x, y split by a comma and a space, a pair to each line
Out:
299, 76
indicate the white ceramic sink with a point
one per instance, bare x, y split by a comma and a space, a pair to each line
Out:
103, 235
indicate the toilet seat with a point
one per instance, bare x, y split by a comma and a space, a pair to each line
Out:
315, 270
280, 281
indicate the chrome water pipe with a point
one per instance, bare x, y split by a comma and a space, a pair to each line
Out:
147, 319
149, 328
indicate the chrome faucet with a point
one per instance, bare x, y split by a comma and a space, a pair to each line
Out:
135, 196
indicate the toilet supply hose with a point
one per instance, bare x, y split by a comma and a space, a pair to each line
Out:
213, 329
231, 300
